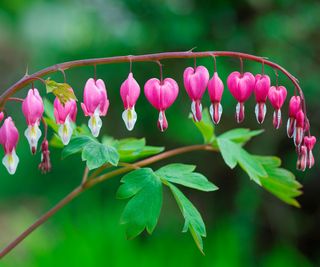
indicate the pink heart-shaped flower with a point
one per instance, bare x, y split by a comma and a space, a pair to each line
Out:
277, 95
241, 85
161, 95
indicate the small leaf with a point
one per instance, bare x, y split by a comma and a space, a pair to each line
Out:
233, 153
280, 182
97, 154
227, 149
205, 126
193, 219
76, 145
131, 149
240, 135
143, 209
60, 90
183, 174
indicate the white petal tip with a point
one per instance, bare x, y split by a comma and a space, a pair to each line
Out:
33, 134
129, 117
11, 161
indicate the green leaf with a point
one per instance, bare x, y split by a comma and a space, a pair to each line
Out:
143, 209
48, 109
96, 154
233, 153
132, 149
280, 182
183, 174
264, 170
56, 142
193, 219
76, 145
205, 126
60, 90
240, 135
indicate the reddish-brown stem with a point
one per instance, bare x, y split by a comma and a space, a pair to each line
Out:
86, 184
141, 58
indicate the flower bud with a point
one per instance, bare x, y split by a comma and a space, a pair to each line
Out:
129, 91
1, 116
65, 116
95, 104
302, 158
9, 137
309, 142
261, 90
45, 165
32, 108
215, 89
299, 128
294, 107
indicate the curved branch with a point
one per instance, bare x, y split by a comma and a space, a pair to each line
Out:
143, 58
86, 184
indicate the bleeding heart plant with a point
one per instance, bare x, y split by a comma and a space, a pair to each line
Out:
141, 185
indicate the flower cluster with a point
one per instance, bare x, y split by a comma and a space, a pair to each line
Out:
161, 94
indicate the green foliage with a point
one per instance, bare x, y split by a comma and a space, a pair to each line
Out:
279, 181
264, 170
144, 189
76, 145
193, 219
132, 149
60, 90
205, 126
97, 154
183, 174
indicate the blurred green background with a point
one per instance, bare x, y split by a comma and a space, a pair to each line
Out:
246, 226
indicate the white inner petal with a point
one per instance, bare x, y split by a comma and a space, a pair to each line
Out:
129, 117
11, 161
65, 131
161, 120
95, 123
220, 109
194, 110
33, 134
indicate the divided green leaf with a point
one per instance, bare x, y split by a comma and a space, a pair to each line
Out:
76, 145
183, 174
240, 135
132, 149
264, 170
193, 219
97, 154
280, 182
144, 188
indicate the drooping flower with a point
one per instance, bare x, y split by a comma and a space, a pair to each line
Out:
302, 158
161, 95
95, 104
32, 108
130, 92
261, 90
299, 128
1, 116
195, 82
309, 142
65, 116
45, 164
294, 107
215, 89
241, 87
277, 95
9, 137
